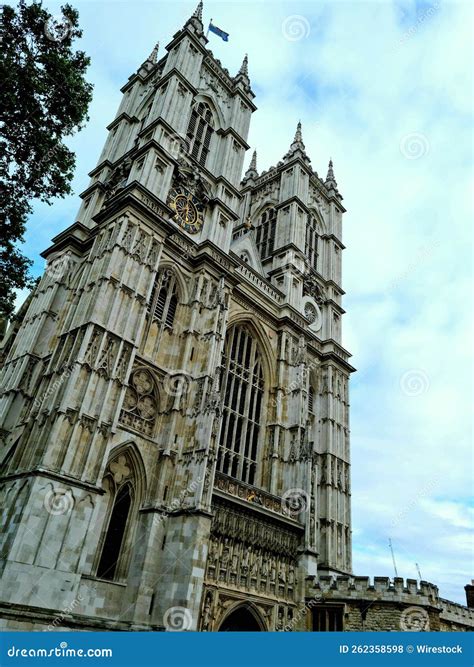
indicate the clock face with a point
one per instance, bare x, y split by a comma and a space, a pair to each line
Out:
187, 210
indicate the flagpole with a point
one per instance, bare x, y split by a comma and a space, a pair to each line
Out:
207, 33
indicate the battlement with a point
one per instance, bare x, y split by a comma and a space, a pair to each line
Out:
379, 588
457, 613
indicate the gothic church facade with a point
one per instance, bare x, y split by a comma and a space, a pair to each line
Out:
175, 411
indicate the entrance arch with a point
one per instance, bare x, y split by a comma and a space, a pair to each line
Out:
242, 619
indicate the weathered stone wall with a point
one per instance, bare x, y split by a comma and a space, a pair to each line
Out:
388, 605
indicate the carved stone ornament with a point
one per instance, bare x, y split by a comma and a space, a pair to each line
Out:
120, 469
189, 176
311, 287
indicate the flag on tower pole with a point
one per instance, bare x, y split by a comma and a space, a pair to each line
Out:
217, 31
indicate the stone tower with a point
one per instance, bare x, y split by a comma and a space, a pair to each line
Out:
175, 409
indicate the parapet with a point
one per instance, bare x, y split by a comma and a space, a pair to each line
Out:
383, 588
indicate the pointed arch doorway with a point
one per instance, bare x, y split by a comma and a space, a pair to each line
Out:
242, 619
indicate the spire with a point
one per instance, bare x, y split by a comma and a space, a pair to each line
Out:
297, 144
253, 162
153, 57
243, 73
252, 170
147, 65
195, 21
330, 180
198, 12
244, 68
298, 136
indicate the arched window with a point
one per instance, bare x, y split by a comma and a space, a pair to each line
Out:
140, 405
243, 388
265, 232
146, 115
311, 246
199, 133
114, 536
164, 299
311, 401
122, 486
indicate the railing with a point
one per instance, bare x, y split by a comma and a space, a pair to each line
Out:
253, 495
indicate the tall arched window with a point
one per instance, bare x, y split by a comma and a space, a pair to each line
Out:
311, 246
164, 298
114, 536
311, 401
199, 133
120, 483
265, 232
243, 388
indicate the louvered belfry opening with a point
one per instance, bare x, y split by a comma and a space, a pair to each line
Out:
243, 390
200, 129
164, 299
311, 246
265, 232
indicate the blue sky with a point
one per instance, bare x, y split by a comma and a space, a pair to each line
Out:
384, 88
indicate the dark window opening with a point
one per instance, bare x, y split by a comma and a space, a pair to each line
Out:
242, 388
115, 535
265, 233
311, 245
164, 299
328, 619
199, 132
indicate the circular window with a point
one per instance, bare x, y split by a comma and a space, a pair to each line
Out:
310, 312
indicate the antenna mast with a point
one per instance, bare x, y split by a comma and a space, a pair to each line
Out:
393, 556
